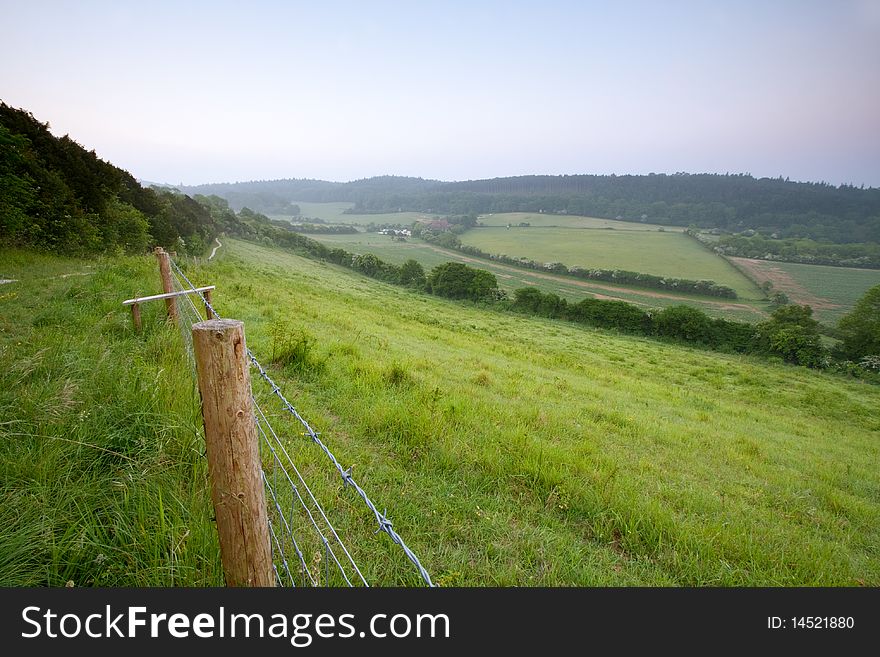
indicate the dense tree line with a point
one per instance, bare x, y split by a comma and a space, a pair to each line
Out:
798, 250
791, 333
55, 195
732, 202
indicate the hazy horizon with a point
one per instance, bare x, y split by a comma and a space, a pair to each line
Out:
210, 92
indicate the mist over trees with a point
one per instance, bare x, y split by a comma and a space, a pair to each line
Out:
733, 202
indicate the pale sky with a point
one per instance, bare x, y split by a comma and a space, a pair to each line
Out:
196, 92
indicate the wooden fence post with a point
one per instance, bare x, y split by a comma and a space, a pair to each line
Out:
233, 452
136, 316
208, 303
167, 287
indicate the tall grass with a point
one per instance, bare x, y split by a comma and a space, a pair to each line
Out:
101, 471
507, 450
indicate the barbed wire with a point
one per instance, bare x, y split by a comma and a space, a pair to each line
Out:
277, 500
384, 523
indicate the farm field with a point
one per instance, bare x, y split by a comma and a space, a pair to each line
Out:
507, 450
663, 254
333, 213
831, 291
510, 278
570, 221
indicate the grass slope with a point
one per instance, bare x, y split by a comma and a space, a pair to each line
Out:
507, 450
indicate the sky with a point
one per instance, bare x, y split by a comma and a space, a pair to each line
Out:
196, 92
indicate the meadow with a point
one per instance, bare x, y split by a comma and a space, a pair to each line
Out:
511, 278
663, 254
334, 213
507, 450
831, 291
570, 221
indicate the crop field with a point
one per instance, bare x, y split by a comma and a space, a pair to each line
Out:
831, 291
507, 450
511, 278
570, 221
663, 254
333, 213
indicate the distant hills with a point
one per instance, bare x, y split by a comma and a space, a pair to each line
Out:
55, 194
733, 202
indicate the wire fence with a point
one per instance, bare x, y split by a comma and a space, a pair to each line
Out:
306, 547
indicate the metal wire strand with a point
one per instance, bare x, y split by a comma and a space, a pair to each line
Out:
384, 523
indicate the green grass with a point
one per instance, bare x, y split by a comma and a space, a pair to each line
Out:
570, 221
511, 278
102, 478
333, 213
662, 254
831, 291
507, 450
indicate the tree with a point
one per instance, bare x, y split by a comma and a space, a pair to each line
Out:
458, 281
685, 323
792, 333
412, 273
860, 329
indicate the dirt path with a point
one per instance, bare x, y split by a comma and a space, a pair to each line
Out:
219, 244
765, 270
588, 286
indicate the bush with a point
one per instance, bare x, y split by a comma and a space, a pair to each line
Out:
455, 280
685, 323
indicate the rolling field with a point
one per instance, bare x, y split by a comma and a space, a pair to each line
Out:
515, 451
511, 278
663, 254
507, 450
570, 221
332, 213
831, 291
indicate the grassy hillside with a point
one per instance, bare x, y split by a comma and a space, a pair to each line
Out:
507, 450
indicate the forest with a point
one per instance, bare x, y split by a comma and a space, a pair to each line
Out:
732, 202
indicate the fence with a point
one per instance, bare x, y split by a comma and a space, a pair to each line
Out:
294, 528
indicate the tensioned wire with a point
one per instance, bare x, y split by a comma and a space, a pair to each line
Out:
384, 523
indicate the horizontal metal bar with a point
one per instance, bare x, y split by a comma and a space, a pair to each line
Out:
168, 295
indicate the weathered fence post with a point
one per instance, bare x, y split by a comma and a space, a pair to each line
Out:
233, 452
208, 303
167, 286
136, 316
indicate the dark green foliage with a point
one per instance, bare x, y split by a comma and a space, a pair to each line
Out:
57, 196
860, 329
792, 333
818, 211
807, 251
455, 280
611, 314
684, 322
412, 273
